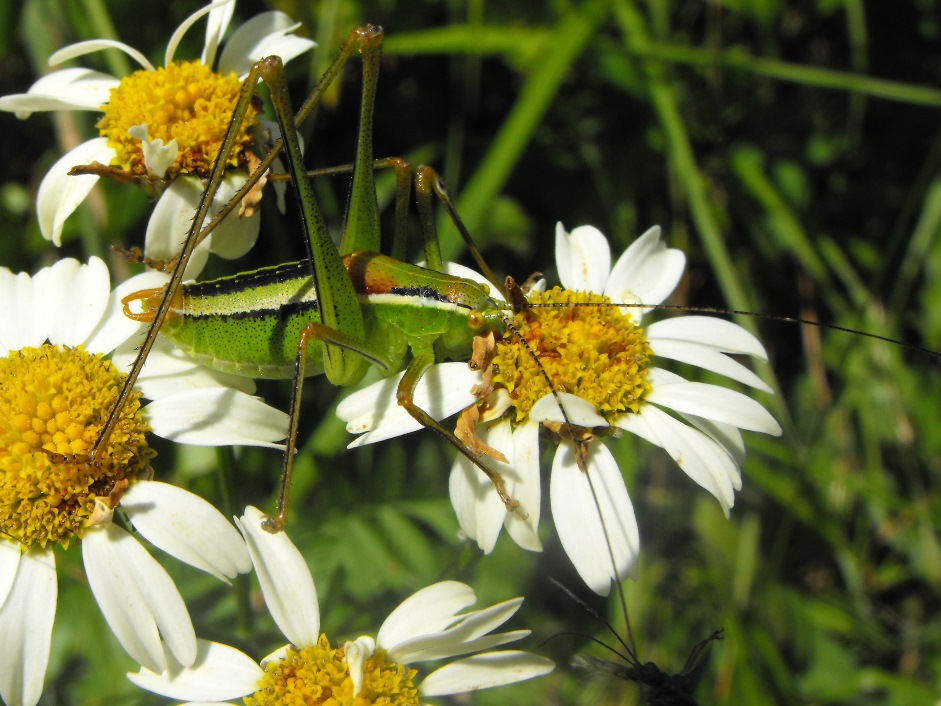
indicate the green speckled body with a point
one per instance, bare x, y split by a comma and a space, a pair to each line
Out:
250, 324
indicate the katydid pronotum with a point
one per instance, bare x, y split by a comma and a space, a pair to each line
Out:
343, 349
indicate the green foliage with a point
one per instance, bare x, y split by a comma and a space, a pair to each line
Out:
791, 149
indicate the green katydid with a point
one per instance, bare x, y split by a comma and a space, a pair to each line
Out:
419, 307
428, 311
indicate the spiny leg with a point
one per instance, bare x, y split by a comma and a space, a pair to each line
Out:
405, 395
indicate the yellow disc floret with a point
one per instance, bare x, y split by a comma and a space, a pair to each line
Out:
53, 403
186, 101
583, 344
319, 675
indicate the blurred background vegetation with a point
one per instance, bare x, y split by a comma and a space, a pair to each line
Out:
792, 149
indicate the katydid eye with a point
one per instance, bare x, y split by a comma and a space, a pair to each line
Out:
475, 320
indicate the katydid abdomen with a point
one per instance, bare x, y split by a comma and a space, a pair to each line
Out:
250, 323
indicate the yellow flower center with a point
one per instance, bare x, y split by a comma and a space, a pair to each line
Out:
186, 101
53, 403
583, 345
318, 674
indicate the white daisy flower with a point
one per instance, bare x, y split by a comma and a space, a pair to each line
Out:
599, 363
56, 391
165, 146
426, 626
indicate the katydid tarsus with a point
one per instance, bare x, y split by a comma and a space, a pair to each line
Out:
343, 350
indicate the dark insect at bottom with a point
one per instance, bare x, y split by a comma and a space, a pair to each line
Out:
658, 688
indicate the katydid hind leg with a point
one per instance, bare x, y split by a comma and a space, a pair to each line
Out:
405, 395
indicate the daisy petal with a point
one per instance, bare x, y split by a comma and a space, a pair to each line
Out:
219, 673
445, 389
10, 553
484, 671
137, 597
647, 272
236, 235
708, 331
579, 514
262, 35
60, 194
23, 324
26, 619
480, 510
90, 46
583, 258
578, 411
170, 370
170, 222
68, 89
701, 458
714, 402
75, 297
187, 528
523, 524
468, 635
357, 653
708, 359
217, 416
284, 578
427, 611
726, 435
220, 13
216, 26
114, 328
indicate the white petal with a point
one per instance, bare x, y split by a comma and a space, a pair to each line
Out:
217, 416
469, 634
356, 655
114, 328
219, 673
60, 194
187, 527
726, 435
647, 272
158, 157
701, 458
709, 359
261, 36
169, 370
484, 671
428, 611
10, 553
583, 258
579, 515
218, 22
75, 298
137, 597
235, 236
523, 524
68, 89
716, 403
578, 411
284, 578
90, 46
444, 390
170, 222
22, 323
26, 619
709, 331
479, 509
